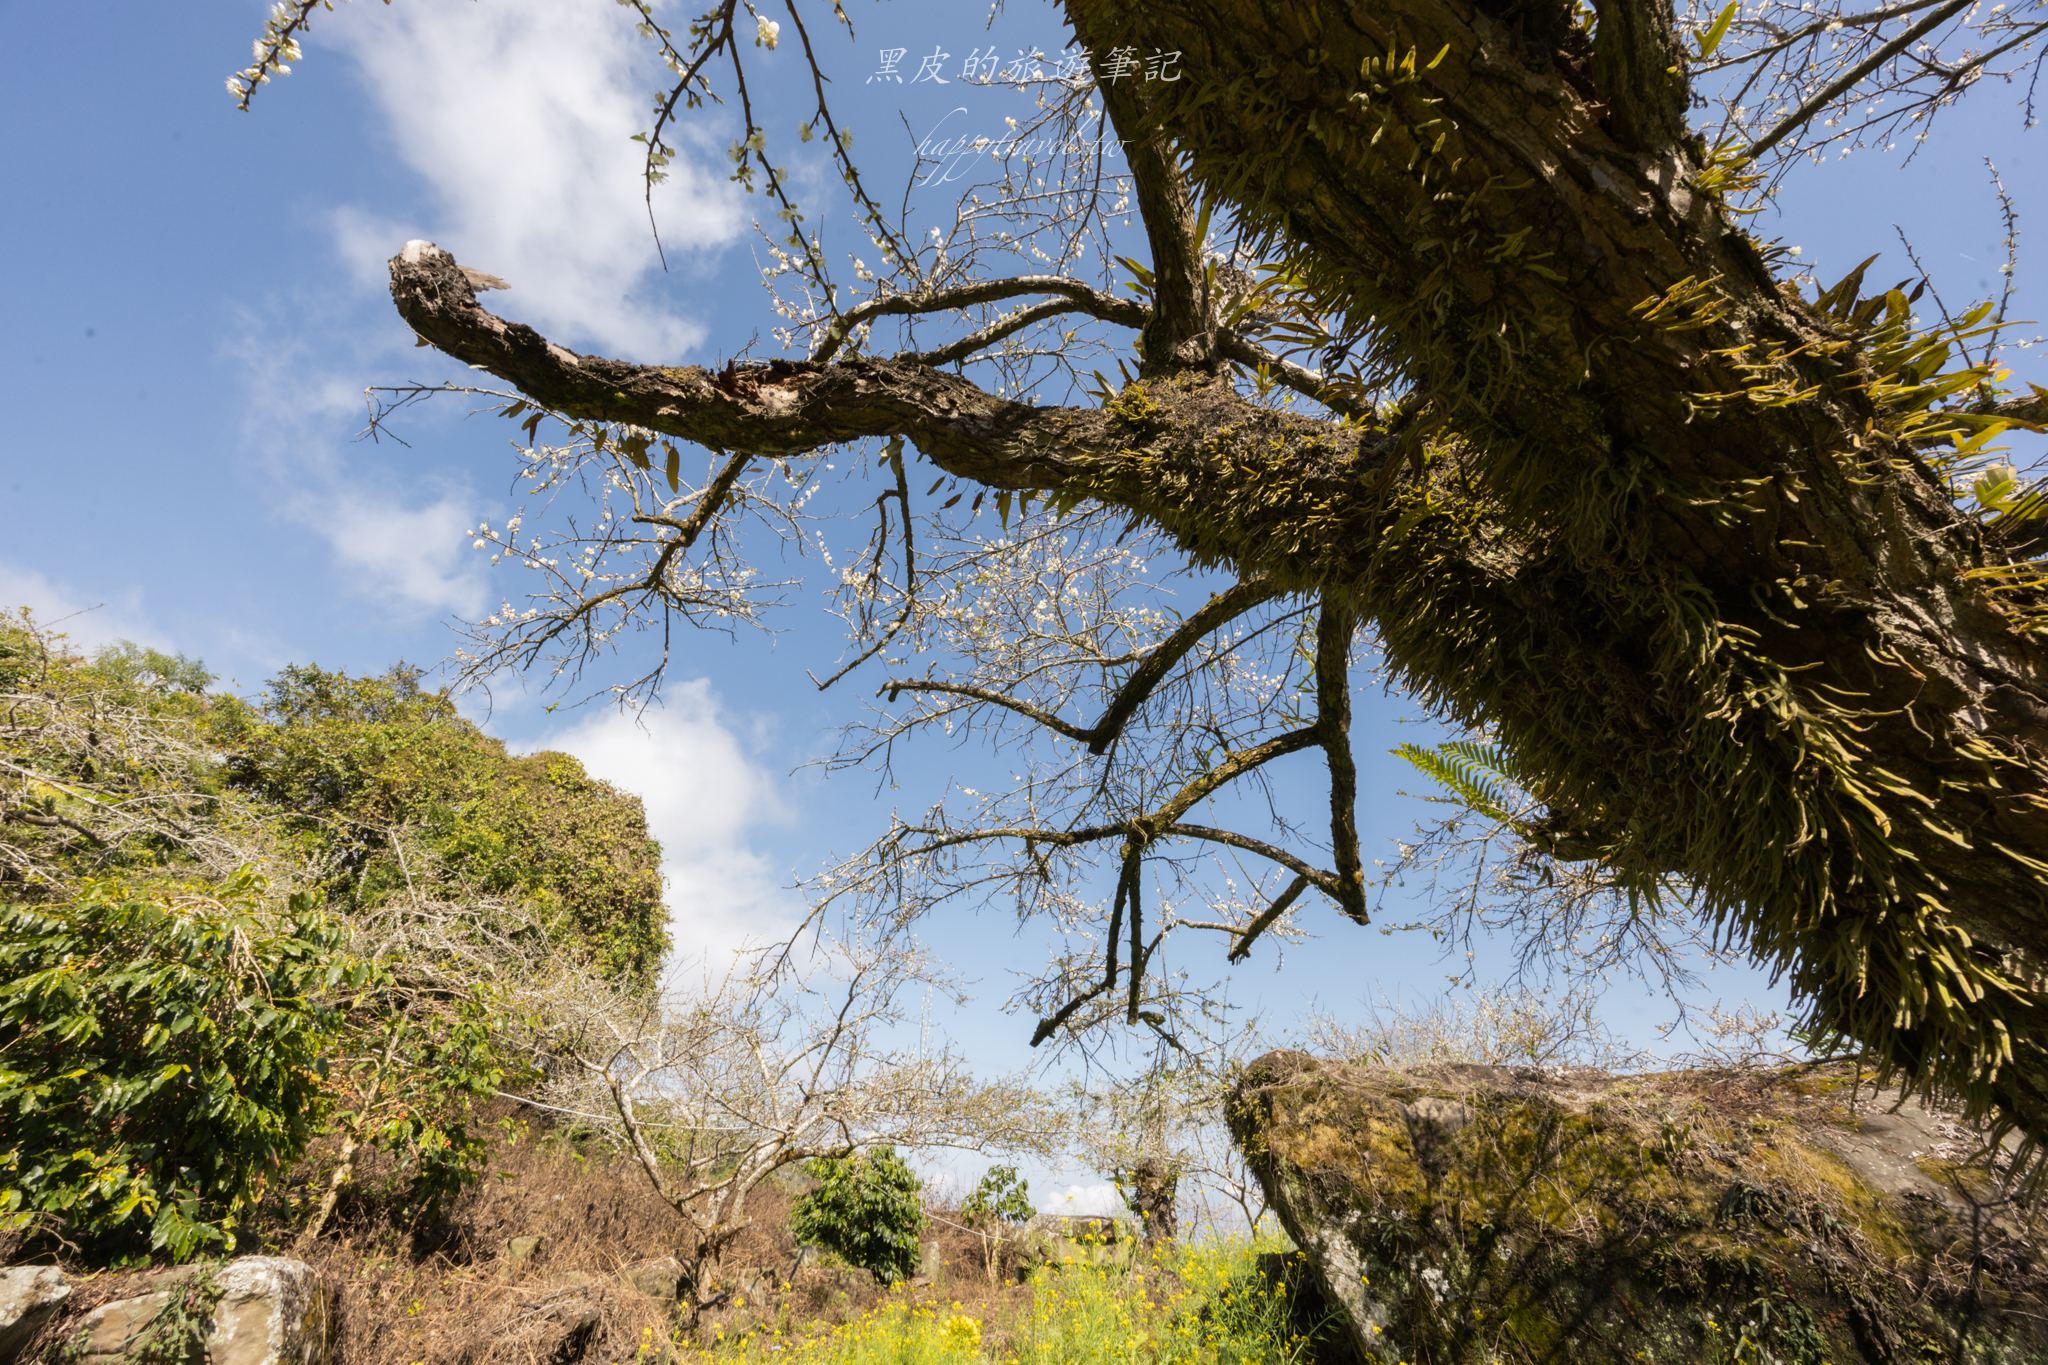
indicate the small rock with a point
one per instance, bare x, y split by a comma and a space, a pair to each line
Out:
29, 1294
1110, 1244
266, 1310
569, 1330
660, 1279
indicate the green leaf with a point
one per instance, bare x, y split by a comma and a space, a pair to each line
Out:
1718, 30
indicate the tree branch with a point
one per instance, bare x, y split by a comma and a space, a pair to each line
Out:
1335, 628
1267, 918
1179, 332
1636, 66
1074, 296
1211, 616
1289, 375
1843, 83
1191, 448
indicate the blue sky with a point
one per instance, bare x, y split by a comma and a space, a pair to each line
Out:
196, 303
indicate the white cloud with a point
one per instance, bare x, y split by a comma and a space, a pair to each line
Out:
1098, 1200
518, 115
399, 543
90, 621
704, 795
366, 243
413, 556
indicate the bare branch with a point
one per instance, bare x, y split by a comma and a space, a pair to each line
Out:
1074, 296
1843, 83
1267, 918
1335, 629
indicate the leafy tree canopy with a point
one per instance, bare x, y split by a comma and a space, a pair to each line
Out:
368, 771
226, 927
865, 1210
1000, 1196
364, 790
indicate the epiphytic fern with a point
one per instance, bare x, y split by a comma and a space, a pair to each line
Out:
1475, 774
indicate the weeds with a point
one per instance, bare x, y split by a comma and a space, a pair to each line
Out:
1207, 1303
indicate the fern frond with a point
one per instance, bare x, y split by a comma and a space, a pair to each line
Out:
1475, 774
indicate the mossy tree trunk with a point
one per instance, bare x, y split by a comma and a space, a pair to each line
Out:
1731, 625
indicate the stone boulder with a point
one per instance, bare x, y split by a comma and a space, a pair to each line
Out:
255, 1310
521, 1252
272, 1311
30, 1296
552, 1322
1466, 1214
1053, 1240
660, 1279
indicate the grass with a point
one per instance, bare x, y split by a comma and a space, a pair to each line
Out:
1206, 1302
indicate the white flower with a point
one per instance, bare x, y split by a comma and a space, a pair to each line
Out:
767, 30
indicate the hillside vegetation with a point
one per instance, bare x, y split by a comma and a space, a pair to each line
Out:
230, 929
331, 974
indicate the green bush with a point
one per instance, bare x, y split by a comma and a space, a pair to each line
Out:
160, 1056
1001, 1196
445, 1057
865, 1211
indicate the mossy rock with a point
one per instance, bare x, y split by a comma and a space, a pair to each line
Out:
1479, 1214
1052, 1241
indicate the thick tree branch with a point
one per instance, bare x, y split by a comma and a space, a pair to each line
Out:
1729, 612
1175, 456
2027, 409
1636, 64
1335, 628
1179, 333
1289, 375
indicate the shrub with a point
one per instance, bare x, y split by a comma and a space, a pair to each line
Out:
865, 1211
159, 1057
1001, 1196
1199, 1305
445, 1058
